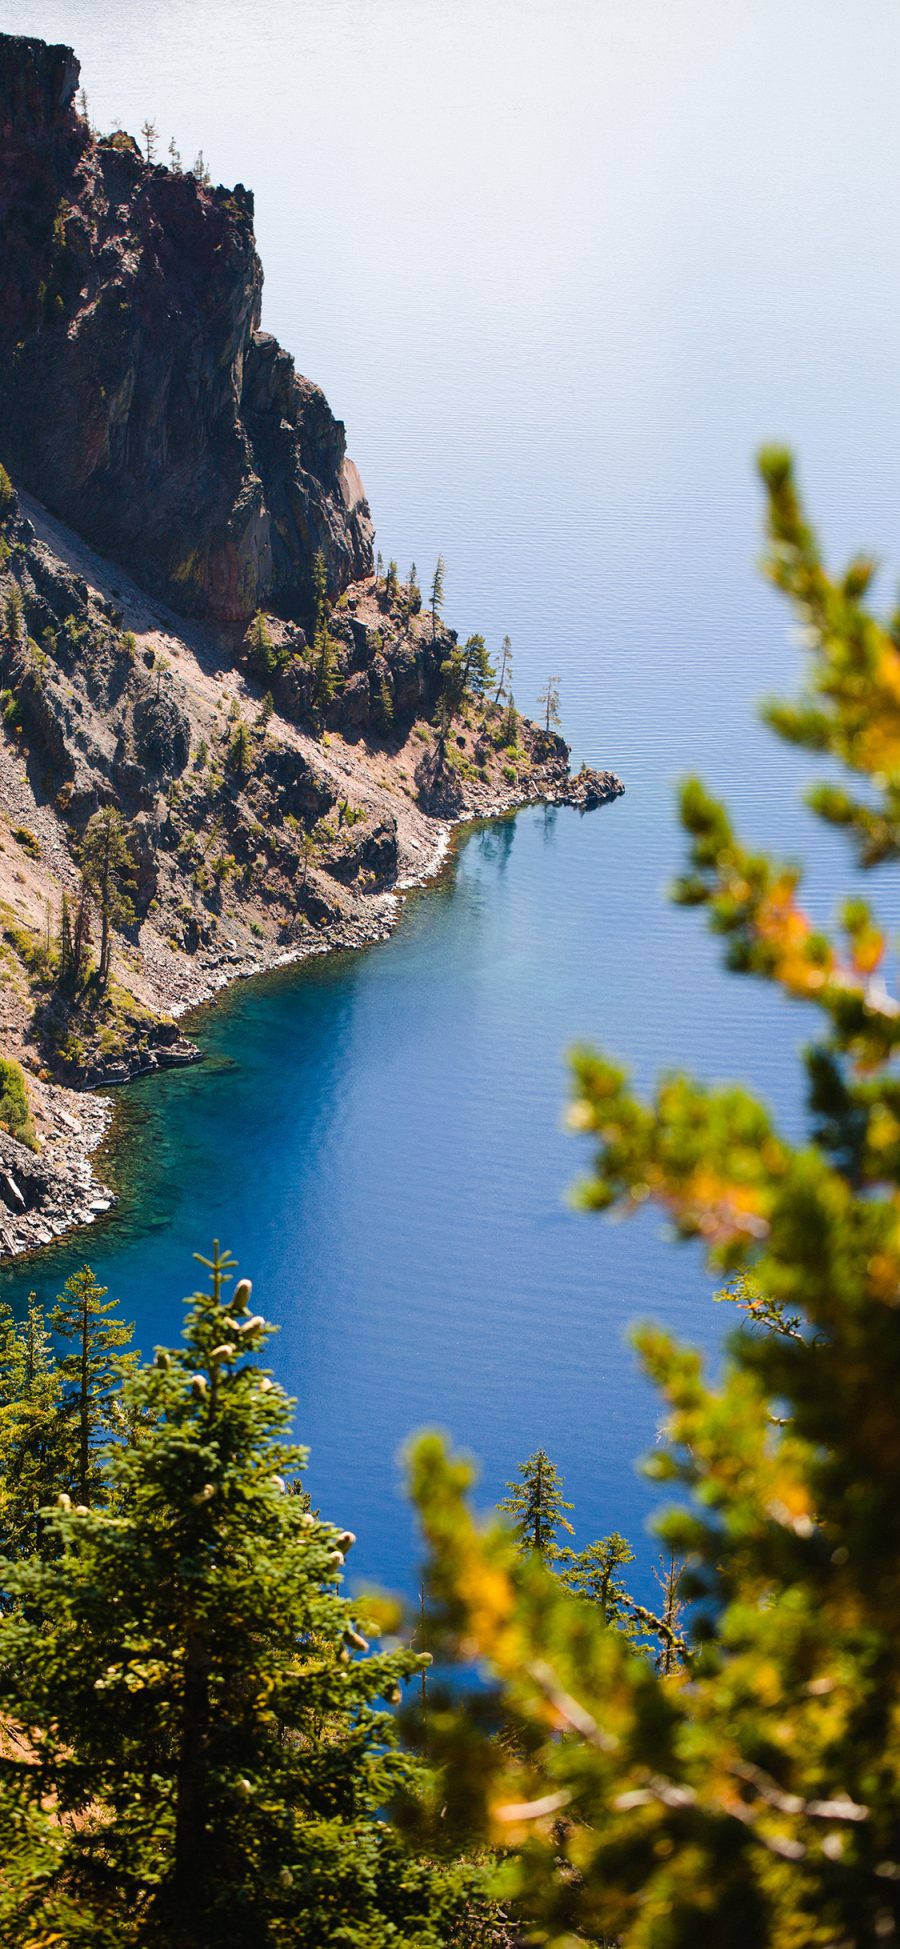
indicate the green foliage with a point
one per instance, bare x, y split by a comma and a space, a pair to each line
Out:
33, 1458
108, 870
27, 840
593, 1573
759, 1802
437, 593
7, 492
466, 672
240, 749
536, 1506
266, 658
198, 1746
91, 1377
15, 1111
13, 614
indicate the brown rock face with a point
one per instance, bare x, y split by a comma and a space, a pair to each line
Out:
138, 397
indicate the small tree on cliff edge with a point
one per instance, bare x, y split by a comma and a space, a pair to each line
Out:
190, 1674
548, 702
437, 594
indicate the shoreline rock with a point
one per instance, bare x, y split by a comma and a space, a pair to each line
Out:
44, 1197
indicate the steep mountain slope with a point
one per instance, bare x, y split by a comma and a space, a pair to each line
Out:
281, 745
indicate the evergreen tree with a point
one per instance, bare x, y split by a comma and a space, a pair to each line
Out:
92, 1374
504, 679
190, 1675
81, 933
391, 580
320, 589
34, 1451
150, 134
593, 1573
240, 750
13, 615
548, 702
536, 1506
263, 655
108, 869
478, 671
437, 594
413, 592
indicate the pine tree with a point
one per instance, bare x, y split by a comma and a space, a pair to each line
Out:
593, 1573
391, 580
548, 702
108, 868
92, 1374
81, 933
259, 643
320, 589
191, 1675
413, 592
66, 946
536, 1506
150, 134
504, 679
240, 750
34, 1451
478, 671
437, 594
13, 615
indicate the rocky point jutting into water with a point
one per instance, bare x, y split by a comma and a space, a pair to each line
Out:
203, 647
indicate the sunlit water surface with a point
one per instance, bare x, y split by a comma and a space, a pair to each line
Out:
561, 268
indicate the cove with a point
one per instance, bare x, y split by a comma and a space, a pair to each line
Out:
378, 1138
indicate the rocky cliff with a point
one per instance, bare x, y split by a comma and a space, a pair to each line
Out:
276, 786
139, 399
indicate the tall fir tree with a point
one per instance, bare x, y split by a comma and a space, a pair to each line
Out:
92, 1374
35, 1441
536, 1505
108, 869
204, 1718
437, 594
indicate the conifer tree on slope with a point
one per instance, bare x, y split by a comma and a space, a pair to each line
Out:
188, 1694
33, 1448
91, 1374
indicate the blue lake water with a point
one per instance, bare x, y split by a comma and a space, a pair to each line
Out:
561, 269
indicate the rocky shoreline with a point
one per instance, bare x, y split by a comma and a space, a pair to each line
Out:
277, 734
45, 1196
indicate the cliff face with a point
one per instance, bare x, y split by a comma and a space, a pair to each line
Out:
139, 399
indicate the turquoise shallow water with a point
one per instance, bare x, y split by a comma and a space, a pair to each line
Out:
561, 269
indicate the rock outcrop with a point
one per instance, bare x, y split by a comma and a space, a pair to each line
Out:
277, 786
139, 399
